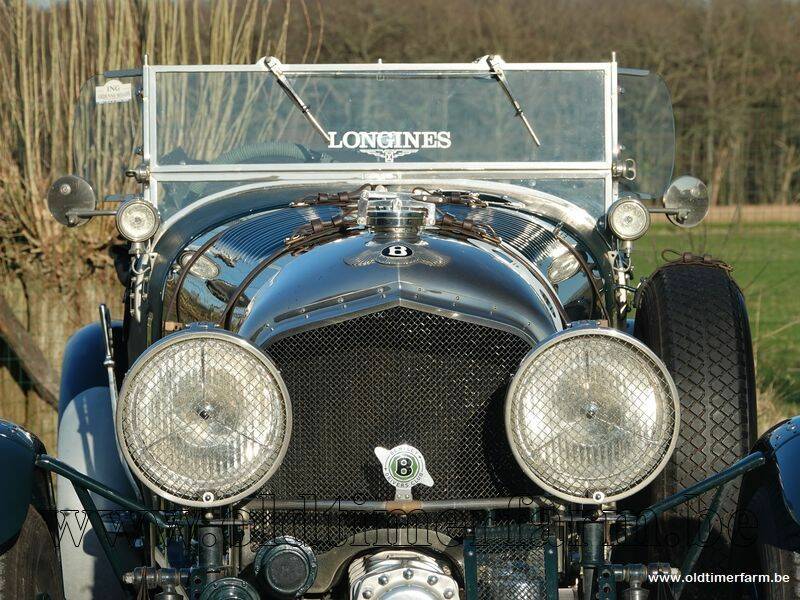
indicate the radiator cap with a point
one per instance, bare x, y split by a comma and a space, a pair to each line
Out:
397, 213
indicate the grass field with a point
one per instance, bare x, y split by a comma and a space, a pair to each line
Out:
766, 261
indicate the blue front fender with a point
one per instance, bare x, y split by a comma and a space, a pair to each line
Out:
771, 494
18, 451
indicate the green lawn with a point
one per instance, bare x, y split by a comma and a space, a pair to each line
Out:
766, 261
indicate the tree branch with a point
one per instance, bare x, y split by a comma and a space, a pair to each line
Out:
36, 366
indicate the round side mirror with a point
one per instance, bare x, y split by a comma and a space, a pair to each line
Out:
686, 201
71, 200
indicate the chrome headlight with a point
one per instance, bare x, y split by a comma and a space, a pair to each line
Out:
203, 417
628, 219
592, 415
137, 220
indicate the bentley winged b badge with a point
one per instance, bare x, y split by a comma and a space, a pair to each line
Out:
403, 467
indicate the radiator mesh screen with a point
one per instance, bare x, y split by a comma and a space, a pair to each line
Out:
391, 377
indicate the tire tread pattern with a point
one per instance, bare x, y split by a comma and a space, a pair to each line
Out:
30, 565
694, 318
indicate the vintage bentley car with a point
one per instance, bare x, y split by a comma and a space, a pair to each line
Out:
378, 342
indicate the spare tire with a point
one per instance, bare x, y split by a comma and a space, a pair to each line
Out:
692, 315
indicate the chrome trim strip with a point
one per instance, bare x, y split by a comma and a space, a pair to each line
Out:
434, 68
383, 177
612, 190
377, 166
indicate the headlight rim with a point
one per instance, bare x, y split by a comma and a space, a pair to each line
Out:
204, 331
588, 329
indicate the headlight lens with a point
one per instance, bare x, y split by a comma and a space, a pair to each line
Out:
592, 415
203, 418
137, 220
629, 219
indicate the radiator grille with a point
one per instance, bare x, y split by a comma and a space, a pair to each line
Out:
391, 377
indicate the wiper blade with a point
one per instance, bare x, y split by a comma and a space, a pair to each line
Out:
493, 63
274, 66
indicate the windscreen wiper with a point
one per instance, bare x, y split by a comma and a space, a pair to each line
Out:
274, 66
493, 62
